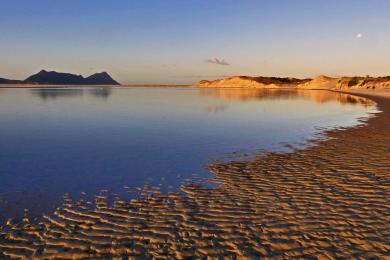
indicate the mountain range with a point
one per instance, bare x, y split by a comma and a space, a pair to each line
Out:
58, 78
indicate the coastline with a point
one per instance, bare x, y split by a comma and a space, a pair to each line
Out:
357, 92
27, 86
384, 93
328, 200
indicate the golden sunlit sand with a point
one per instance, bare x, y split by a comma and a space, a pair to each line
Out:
330, 200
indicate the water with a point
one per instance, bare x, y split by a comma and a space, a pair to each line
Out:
83, 140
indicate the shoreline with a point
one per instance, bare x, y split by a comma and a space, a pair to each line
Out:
5, 86
328, 200
383, 93
358, 92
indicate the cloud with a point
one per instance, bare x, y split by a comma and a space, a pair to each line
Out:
217, 62
359, 36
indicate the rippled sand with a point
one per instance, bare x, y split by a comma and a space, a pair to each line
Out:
330, 200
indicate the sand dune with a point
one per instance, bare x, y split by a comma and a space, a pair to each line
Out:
330, 200
347, 83
319, 82
252, 82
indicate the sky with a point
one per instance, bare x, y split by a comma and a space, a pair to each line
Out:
184, 41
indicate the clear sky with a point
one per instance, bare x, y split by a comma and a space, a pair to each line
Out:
177, 41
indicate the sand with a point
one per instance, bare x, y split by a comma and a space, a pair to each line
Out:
371, 92
330, 200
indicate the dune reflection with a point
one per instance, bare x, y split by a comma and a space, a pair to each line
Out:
323, 96
318, 96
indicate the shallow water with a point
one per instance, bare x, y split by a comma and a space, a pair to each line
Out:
83, 140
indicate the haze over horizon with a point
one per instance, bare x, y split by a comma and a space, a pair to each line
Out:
181, 42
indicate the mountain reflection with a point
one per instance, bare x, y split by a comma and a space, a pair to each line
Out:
56, 93
100, 92
52, 93
217, 108
318, 96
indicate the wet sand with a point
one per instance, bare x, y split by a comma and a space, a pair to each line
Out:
330, 200
370, 92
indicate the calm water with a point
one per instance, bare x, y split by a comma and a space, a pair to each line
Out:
56, 141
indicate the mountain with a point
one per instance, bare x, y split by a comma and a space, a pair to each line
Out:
51, 77
253, 82
58, 78
101, 78
9, 81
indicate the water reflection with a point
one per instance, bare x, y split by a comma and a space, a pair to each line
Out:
107, 138
103, 93
217, 108
318, 96
246, 94
45, 94
56, 93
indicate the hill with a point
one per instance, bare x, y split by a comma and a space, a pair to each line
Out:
9, 81
58, 78
347, 83
101, 78
253, 82
320, 82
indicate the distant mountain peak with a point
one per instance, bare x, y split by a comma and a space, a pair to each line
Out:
102, 77
101, 73
10, 81
60, 78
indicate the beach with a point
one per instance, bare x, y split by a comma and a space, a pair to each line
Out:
329, 200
